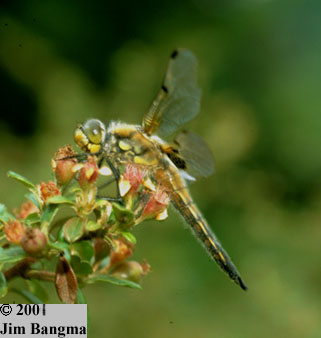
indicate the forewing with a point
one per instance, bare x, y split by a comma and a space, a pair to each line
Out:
196, 154
178, 100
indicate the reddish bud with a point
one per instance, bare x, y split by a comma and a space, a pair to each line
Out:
89, 173
26, 209
157, 203
34, 241
48, 190
64, 165
134, 174
14, 231
120, 253
145, 266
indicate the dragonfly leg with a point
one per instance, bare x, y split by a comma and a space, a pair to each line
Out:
83, 157
111, 199
79, 157
107, 183
116, 176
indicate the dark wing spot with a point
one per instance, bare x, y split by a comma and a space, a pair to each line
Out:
174, 54
178, 161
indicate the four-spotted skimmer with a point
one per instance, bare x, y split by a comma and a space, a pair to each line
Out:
170, 165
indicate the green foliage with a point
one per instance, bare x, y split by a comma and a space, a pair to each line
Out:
22, 180
73, 229
86, 246
5, 216
115, 281
3, 285
27, 295
12, 254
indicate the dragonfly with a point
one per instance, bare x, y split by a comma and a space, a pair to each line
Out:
174, 164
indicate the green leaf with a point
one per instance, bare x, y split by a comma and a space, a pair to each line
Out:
80, 297
37, 290
47, 216
3, 285
48, 213
112, 218
67, 255
60, 235
33, 198
3, 208
21, 179
124, 216
27, 295
92, 226
11, 255
5, 216
83, 249
58, 224
81, 267
103, 263
32, 218
73, 229
129, 236
101, 203
115, 281
61, 246
58, 199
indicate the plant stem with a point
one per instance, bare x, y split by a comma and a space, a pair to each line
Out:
19, 269
22, 269
47, 276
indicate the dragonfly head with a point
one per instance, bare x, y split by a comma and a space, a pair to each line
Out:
90, 136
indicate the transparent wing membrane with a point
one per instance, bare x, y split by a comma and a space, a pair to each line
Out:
196, 154
178, 100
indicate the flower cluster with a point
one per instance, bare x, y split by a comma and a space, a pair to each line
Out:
147, 199
93, 242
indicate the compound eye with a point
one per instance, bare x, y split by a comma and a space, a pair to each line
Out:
95, 131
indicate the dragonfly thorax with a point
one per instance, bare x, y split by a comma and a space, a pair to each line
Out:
129, 143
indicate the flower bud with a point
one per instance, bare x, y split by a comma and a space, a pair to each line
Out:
25, 210
134, 174
48, 190
14, 231
64, 165
157, 204
145, 266
34, 241
131, 270
121, 252
89, 173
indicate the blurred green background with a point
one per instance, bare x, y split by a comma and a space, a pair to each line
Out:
62, 62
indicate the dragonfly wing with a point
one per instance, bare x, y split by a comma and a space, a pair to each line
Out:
196, 154
178, 100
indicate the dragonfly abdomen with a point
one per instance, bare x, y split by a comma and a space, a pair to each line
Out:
184, 203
